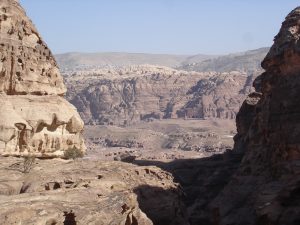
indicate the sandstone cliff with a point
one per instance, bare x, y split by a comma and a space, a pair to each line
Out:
265, 189
34, 118
132, 94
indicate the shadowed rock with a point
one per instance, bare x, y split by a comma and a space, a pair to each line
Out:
265, 189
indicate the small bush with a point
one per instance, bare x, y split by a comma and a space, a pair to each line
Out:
28, 163
73, 153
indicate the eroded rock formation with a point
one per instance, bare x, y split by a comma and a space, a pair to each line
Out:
141, 93
266, 187
88, 192
34, 119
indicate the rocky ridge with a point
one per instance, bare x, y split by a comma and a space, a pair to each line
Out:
132, 94
265, 188
35, 119
245, 62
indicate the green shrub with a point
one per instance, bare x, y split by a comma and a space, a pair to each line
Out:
73, 153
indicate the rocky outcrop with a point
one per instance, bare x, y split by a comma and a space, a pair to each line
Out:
34, 119
88, 192
142, 93
26, 64
265, 189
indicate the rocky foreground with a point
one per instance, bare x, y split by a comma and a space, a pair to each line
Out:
256, 183
87, 192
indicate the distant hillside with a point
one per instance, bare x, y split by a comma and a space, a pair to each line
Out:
71, 60
114, 88
243, 62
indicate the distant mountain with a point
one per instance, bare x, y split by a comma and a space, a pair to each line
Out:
243, 62
71, 60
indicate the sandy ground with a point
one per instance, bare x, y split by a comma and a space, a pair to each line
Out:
163, 140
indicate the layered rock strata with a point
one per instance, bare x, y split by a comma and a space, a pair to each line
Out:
34, 119
142, 93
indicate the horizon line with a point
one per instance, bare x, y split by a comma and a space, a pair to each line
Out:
151, 53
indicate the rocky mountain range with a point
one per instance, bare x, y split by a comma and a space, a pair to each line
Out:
247, 62
256, 183
124, 89
70, 61
132, 94
241, 61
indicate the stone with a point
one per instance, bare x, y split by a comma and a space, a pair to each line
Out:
265, 188
147, 93
88, 192
27, 65
44, 126
35, 119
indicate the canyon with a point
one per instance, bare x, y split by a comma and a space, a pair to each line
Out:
158, 133
120, 94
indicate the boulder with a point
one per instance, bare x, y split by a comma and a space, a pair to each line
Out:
34, 118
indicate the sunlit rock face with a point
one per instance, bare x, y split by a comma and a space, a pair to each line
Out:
265, 189
143, 93
34, 119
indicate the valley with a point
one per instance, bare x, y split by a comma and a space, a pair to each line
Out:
158, 112
147, 139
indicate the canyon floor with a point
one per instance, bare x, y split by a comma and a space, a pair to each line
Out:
161, 140
148, 173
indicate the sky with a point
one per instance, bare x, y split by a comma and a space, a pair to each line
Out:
158, 26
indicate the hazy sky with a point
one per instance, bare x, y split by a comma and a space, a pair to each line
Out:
158, 26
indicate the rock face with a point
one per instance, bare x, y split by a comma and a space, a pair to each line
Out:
26, 64
35, 119
142, 93
88, 192
265, 189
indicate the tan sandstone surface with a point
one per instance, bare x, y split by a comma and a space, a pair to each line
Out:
129, 95
35, 119
87, 192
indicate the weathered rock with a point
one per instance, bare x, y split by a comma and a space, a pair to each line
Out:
41, 125
26, 64
265, 189
88, 192
145, 93
34, 118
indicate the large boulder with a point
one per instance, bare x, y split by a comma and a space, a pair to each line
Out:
34, 118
